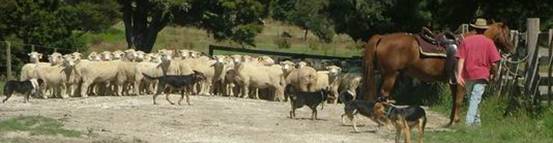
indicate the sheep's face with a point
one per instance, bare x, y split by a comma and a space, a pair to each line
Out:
194, 54
140, 55
184, 53
165, 57
220, 58
77, 55
334, 70
55, 58
130, 55
69, 60
302, 64
94, 57
116, 55
156, 59
287, 65
106, 56
34, 57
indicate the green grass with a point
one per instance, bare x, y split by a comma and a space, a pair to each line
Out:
37, 125
177, 37
496, 128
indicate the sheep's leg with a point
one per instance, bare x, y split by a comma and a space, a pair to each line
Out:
137, 87
84, 86
256, 90
245, 91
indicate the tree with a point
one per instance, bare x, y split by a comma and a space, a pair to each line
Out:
239, 21
50, 24
145, 18
311, 15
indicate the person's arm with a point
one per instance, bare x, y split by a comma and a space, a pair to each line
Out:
458, 74
493, 71
461, 54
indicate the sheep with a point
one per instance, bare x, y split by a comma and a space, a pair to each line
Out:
144, 85
266, 60
27, 71
93, 56
272, 77
347, 82
60, 77
90, 73
106, 56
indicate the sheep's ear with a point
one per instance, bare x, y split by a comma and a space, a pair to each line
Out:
28, 54
40, 56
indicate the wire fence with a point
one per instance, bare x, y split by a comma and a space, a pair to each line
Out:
10, 51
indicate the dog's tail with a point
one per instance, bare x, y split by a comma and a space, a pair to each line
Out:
150, 77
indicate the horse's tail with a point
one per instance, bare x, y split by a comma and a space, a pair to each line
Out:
369, 59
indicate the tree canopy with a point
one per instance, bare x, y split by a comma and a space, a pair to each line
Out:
51, 24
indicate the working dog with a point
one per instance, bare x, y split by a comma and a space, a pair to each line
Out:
168, 83
365, 108
26, 87
310, 99
404, 119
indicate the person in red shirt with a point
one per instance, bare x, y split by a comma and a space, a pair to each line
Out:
477, 57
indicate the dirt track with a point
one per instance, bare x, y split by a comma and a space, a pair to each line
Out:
208, 119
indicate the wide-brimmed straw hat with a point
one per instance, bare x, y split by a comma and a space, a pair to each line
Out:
480, 23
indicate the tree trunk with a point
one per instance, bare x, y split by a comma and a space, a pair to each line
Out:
142, 24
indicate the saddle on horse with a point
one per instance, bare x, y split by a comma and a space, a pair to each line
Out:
439, 45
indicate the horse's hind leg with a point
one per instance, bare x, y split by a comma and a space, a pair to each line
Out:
388, 82
458, 93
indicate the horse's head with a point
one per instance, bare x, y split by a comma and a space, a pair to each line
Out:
499, 33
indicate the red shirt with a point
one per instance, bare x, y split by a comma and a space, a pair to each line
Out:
479, 53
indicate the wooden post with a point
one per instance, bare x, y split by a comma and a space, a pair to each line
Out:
550, 76
532, 64
8, 60
32, 48
464, 28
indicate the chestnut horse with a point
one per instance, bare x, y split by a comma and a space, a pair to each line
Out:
399, 52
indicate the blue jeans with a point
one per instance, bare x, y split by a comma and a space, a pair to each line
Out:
475, 89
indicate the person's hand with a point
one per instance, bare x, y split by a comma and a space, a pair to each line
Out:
460, 80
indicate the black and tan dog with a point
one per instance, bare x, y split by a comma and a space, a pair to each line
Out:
168, 83
404, 119
27, 88
310, 99
365, 108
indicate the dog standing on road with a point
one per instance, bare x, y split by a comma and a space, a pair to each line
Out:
365, 108
176, 82
404, 119
26, 87
310, 99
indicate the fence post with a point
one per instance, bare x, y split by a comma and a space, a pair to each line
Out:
32, 48
549, 76
532, 42
8, 60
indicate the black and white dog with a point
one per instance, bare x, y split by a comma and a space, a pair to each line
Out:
26, 87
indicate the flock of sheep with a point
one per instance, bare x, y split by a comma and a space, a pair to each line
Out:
120, 73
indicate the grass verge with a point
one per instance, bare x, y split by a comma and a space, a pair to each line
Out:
36, 125
495, 127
